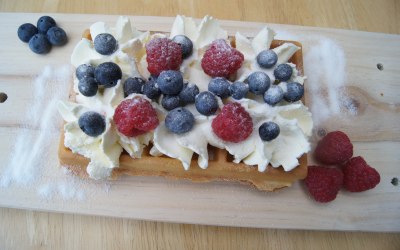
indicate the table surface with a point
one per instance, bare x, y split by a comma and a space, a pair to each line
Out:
39, 230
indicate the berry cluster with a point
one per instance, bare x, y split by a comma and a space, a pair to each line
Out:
352, 173
43, 36
90, 77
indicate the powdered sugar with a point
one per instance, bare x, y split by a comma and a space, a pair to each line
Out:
33, 161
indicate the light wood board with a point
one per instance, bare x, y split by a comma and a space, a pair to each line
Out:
374, 131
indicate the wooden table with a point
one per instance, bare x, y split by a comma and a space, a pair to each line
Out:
38, 230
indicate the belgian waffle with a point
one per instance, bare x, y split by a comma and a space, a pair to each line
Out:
220, 167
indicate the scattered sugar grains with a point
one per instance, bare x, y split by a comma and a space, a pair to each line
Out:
33, 162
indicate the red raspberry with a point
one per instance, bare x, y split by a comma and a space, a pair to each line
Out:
163, 54
233, 124
222, 60
134, 117
334, 148
324, 183
359, 176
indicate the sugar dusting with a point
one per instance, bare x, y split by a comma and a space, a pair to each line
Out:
33, 161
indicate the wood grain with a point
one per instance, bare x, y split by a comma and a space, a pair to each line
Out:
38, 230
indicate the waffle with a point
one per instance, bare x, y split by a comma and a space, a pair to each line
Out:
220, 167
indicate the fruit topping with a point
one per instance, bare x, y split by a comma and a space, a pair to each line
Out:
323, 183
179, 121
221, 60
108, 74
233, 124
273, 95
151, 89
169, 102
134, 117
359, 176
133, 85
39, 44
186, 45
267, 59
238, 90
88, 86
258, 82
334, 148
206, 103
170, 82
84, 70
188, 93
26, 31
269, 131
163, 54
294, 92
283, 72
105, 44
56, 36
219, 86
92, 123
45, 23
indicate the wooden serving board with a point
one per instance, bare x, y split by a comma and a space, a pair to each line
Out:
375, 132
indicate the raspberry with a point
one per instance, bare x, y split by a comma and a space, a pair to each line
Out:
233, 124
323, 183
134, 117
163, 54
334, 148
359, 176
221, 60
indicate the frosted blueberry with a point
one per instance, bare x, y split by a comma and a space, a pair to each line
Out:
273, 95
92, 123
169, 102
151, 90
170, 82
105, 44
219, 86
108, 74
88, 86
206, 103
283, 72
84, 70
188, 93
186, 45
258, 82
179, 121
294, 92
133, 85
267, 59
238, 90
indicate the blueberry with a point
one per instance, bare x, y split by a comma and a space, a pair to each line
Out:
219, 86
238, 90
169, 102
206, 103
273, 95
105, 44
283, 72
57, 36
186, 45
188, 93
294, 92
26, 31
92, 123
267, 59
258, 82
45, 23
179, 121
133, 85
268, 131
151, 90
170, 82
88, 86
84, 70
108, 74
39, 44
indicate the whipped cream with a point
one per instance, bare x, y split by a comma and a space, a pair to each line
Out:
104, 150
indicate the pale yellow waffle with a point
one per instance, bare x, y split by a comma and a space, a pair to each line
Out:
220, 167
